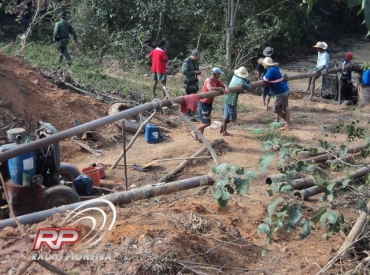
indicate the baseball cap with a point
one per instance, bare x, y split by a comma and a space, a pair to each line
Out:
196, 53
217, 70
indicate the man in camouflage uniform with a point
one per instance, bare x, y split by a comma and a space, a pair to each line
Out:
61, 33
190, 68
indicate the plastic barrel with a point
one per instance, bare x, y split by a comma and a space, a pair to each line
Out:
366, 78
19, 165
152, 133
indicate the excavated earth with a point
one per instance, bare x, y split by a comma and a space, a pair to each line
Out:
184, 232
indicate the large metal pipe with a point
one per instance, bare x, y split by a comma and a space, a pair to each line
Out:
155, 104
312, 191
117, 198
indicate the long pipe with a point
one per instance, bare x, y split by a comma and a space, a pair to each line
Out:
312, 191
155, 104
117, 198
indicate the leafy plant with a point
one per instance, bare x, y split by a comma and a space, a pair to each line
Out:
365, 66
271, 133
231, 179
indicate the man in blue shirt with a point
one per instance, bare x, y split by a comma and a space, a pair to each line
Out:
279, 88
321, 66
231, 100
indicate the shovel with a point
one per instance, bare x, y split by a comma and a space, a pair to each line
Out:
161, 160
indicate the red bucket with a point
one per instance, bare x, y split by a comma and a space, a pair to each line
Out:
93, 173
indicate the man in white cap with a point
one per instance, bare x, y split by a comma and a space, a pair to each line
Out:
265, 90
279, 88
205, 105
231, 100
322, 66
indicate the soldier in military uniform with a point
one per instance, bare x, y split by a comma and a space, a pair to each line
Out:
61, 33
190, 68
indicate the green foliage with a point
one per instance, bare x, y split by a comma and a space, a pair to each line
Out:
231, 179
365, 66
271, 133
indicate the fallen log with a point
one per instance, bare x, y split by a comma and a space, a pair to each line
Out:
76, 90
118, 198
312, 191
354, 233
183, 164
167, 121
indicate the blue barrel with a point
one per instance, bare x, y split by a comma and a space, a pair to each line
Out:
366, 78
152, 133
21, 164
83, 185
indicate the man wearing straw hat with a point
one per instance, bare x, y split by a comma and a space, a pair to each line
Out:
231, 100
321, 66
279, 88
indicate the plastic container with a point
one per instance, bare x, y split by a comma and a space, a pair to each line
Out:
275, 124
366, 78
19, 165
83, 185
101, 168
257, 131
152, 133
93, 173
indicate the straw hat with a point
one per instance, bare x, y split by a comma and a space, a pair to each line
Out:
241, 72
321, 45
268, 61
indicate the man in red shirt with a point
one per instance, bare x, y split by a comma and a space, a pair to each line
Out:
158, 57
205, 105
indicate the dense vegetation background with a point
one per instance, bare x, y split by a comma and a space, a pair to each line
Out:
229, 33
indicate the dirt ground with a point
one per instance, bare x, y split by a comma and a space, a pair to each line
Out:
185, 230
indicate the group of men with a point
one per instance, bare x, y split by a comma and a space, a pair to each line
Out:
267, 69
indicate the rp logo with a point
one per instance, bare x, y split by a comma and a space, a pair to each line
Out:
55, 238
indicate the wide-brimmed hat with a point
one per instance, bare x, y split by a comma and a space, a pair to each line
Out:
217, 70
269, 62
268, 51
196, 53
321, 45
241, 72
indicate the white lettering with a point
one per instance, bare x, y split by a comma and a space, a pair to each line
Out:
58, 257
33, 256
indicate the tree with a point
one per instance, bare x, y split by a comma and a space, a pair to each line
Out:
232, 9
365, 8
